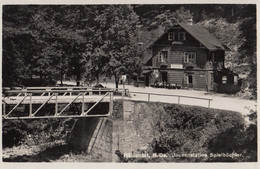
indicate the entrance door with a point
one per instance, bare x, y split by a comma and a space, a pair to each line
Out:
164, 77
190, 80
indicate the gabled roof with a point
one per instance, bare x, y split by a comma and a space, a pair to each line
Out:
204, 37
200, 34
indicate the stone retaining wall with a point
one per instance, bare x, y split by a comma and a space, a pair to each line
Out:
94, 136
102, 138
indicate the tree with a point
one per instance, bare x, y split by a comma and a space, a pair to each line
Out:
248, 51
45, 41
115, 30
97, 61
19, 47
230, 35
168, 18
66, 32
240, 37
134, 61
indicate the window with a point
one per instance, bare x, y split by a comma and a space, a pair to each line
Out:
163, 55
178, 36
171, 36
235, 79
224, 79
189, 57
182, 36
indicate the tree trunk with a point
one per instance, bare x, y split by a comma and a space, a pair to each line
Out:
61, 80
41, 80
137, 80
78, 78
116, 81
97, 76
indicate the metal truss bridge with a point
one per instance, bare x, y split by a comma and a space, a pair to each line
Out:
56, 102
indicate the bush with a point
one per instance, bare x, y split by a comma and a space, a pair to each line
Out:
36, 131
226, 88
186, 129
14, 133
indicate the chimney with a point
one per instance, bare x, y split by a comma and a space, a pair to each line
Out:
190, 21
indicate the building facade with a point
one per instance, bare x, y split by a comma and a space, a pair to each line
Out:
188, 56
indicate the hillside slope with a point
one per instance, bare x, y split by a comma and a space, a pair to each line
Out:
176, 133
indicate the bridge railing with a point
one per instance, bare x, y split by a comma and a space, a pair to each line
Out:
53, 95
43, 97
61, 90
180, 99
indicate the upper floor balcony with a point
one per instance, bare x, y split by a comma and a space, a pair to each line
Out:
215, 65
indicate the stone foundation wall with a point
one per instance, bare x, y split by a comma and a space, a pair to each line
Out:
134, 132
94, 136
102, 143
130, 131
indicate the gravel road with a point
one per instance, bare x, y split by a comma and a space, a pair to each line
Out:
219, 101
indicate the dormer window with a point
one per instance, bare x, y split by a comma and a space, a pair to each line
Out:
171, 36
182, 36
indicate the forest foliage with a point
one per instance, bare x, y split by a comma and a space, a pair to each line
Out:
43, 44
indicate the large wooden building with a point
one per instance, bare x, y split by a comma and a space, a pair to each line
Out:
187, 55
